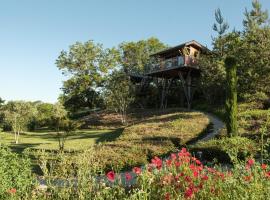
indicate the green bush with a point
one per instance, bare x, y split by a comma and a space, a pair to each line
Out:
16, 176
227, 149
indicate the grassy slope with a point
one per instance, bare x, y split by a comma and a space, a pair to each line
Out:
150, 133
82, 139
153, 136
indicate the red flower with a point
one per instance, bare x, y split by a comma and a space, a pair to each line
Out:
111, 176
188, 179
205, 178
192, 167
250, 162
177, 164
167, 196
247, 178
157, 162
198, 162
183, 150
137, 170
195, 173
12, 191
267, 174
168, 163
188, 193
173, 156
128, 176
264, 166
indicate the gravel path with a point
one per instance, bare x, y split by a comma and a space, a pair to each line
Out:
217, 126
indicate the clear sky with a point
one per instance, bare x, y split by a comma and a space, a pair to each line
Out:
33, 32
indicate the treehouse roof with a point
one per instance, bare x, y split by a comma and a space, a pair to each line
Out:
192, 43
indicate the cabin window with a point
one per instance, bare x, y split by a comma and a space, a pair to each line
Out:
196, 54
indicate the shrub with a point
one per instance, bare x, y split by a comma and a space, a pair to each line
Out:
227, 149
16, 176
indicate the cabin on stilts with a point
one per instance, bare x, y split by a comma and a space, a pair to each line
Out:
176, 63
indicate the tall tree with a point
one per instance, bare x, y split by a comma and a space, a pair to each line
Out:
231, 96
212, 83
255, 18
86, 65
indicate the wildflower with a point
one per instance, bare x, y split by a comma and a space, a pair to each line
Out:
177, 164
167, 196
264, 166
157, 162
128, 176
111, 176
188, 179
137, 170
247, 178
267, 174
250, 162
188, 193
12, 191
173, 156
168, 163
192, 167
167, 179
198, 162
195, 174
205, 177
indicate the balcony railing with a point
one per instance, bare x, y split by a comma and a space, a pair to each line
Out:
179, 61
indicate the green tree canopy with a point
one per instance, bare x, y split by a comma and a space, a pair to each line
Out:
135, 56
86, 65
18, 114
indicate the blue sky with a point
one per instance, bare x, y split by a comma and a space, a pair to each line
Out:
33, 32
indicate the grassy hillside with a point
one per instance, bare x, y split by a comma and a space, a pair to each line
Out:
153, 136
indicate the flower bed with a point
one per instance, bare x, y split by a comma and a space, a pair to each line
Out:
182, 176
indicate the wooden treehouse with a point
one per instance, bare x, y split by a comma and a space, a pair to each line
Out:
179, 62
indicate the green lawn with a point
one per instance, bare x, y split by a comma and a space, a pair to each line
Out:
80, 140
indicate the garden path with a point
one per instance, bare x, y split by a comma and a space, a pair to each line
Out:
218, 125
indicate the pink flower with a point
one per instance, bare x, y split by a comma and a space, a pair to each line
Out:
128, 176
137, 170
111, 176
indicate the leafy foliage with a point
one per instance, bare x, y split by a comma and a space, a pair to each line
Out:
87, 65
18, 114
231, 96
119, 93
16, 176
